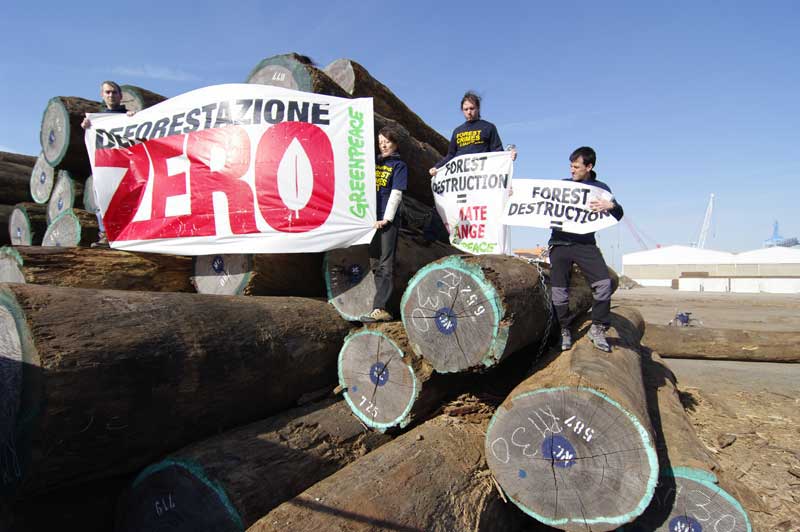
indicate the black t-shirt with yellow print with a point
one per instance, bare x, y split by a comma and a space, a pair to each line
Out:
475, 136
391, 173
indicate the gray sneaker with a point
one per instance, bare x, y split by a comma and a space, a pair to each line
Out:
102, 241
597, 334
566, 339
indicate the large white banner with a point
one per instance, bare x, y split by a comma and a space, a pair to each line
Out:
237, 168
555, 204
470, 192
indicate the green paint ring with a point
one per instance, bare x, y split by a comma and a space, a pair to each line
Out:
68, 214
329, 292
300, 74
63, 152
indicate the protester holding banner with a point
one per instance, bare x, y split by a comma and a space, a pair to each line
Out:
111, 93
391, 179
567, 248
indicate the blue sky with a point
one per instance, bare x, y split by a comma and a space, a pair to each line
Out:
680, 99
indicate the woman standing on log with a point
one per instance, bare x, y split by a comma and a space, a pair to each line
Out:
391, 179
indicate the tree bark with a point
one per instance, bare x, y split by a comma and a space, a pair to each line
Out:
464, 313
136, 98
67, 194
572, 445
72, 228
88, 195
5, 217
280, 274
386, 385
358, 83
96, 268
723, 344
42, 178
61, 133
27, 224
254, 469
104, 382
433, 479
351, 283
15, 180
689, 495
17, 158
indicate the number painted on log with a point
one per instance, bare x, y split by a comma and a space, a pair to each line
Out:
504, 450
164, 505
580, 428
371, 409
279, 76
419, 320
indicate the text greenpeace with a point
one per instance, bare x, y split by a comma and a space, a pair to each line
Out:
470, 192
236, 169
555, 204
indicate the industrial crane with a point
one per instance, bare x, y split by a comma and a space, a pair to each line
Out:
701, 240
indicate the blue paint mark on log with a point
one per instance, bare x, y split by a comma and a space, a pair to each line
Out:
684, 523
379, 374
446, 321
560, 450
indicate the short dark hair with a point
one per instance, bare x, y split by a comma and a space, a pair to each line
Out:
470, 96
391, 133
111, 83
586, 154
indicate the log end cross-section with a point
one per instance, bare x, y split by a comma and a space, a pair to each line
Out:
572, 458
222, 274
73, 227
27, 224
67, 194
42, 179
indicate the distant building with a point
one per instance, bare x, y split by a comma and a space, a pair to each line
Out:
773, 270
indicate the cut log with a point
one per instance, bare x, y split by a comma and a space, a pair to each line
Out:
108, 381
42, 178
17, 158
73, 227
293, 72
572, 445
15, 181
723, 344
5, 217
357, 82
386, 385
96, 268
351, 283
89, 203
281, 274
688, 495
61, 134
136, 98
432, 479
252, 470
67, 194
27, 224
464, 313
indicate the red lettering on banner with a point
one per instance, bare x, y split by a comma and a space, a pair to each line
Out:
270, 151
128, 194
236, 145
165, 185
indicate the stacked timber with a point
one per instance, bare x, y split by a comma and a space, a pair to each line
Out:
61, 134
67, 194
280, 274
73, 227
95, 268
432, 478
136, 98
15, 174
573, 445
358, 83
229, 481
692, 493
102, 382
42, 178
723, 344
89, 202
297, 72
27, 224
5, 218
350, 279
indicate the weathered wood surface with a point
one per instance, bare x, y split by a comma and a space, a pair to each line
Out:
27, 224
723, 344
61, 134
103, 382
254, 469
5, 217
15, 181
688, 495
572, 445
386, 385
67, 194
72, 228
42, 178
293, 72
279, 274
464, 313
17, 158
350, 280
359, 83
89, 202
103, 268
136, 98
432, 478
